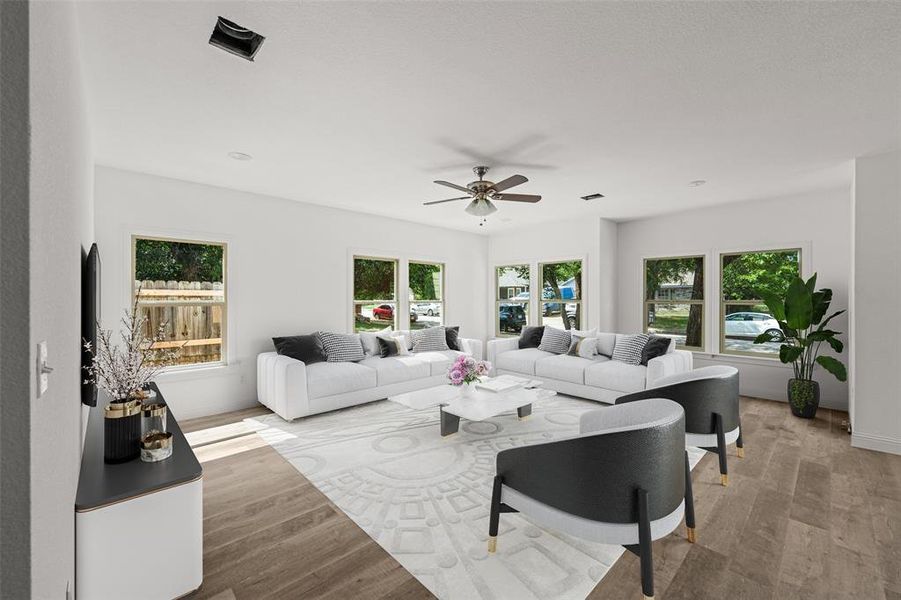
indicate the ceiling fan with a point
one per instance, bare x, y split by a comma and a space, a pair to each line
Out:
482, 192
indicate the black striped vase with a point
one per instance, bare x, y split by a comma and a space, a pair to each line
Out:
122, 431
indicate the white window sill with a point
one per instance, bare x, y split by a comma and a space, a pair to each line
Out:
760, 361
195, 372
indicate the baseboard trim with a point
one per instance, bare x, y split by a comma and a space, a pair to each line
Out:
876, 442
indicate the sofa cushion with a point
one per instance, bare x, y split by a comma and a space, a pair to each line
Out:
606, 344
305, 348
520, 361
563, 367
555, 340
439, 362
330, 378
342, 347
397, 369
531, 336
616, 375
657, 345
430, 339
452, 337
629, 348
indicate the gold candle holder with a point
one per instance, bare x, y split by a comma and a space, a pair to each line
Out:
156, 446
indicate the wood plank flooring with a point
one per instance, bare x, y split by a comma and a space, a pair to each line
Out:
804, 516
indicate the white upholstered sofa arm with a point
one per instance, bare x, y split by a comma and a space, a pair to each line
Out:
282, 385
499, 346
678, 361
471, 346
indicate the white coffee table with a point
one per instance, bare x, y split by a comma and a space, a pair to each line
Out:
479, 405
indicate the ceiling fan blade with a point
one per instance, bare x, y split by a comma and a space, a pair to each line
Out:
509, 182
517, 197
454, 185
448, 200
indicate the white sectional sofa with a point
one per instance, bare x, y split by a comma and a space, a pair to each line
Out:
292, 389
598, 379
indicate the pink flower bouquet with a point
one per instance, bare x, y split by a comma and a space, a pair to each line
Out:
466, 370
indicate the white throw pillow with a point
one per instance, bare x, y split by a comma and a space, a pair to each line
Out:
606, 344
583, 347
370, 341
585, 333
406, 335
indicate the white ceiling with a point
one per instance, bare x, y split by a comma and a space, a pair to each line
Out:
362, 105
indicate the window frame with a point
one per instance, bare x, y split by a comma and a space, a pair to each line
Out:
441, 302
497, 300
702, 302
721, 325
132, 300
541, 300
353, 292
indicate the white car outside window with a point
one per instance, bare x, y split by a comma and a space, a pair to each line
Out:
752, 324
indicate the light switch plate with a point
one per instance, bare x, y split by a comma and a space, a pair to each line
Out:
43, 374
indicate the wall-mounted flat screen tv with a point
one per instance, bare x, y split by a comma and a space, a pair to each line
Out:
90, 318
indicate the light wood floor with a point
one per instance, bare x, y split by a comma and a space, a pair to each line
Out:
804, 516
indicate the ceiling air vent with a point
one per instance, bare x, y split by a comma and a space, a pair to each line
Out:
592, 197
238, 40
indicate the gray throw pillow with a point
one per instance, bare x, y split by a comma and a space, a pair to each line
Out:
556, 341
431, 339
342, 347
629, 348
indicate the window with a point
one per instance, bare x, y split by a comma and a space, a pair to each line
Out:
374, 293
743, 315
180, 286
426, 282
511, 299
561, 294
674, 299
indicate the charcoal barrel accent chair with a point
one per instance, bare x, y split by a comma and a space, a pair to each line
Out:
709, 397
620, 481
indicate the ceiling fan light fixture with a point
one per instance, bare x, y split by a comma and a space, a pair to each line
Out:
481, 207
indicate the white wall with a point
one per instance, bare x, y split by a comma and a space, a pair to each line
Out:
591, 239
288, 269
60, 229
876, 360
816, 222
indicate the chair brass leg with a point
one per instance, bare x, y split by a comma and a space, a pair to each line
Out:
495, 515
692, 536
724, 479
741, 453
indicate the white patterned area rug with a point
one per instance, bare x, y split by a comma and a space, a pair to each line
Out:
425, 499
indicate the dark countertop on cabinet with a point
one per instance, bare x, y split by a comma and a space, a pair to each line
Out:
101, 484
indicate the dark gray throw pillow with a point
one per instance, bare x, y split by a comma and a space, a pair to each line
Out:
531, 336
452, 336
305, 348
657, 346
388, 346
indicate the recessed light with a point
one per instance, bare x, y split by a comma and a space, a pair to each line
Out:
697, 183
594, 196
240, 156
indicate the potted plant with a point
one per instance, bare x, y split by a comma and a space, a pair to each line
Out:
801, 313
123, 371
